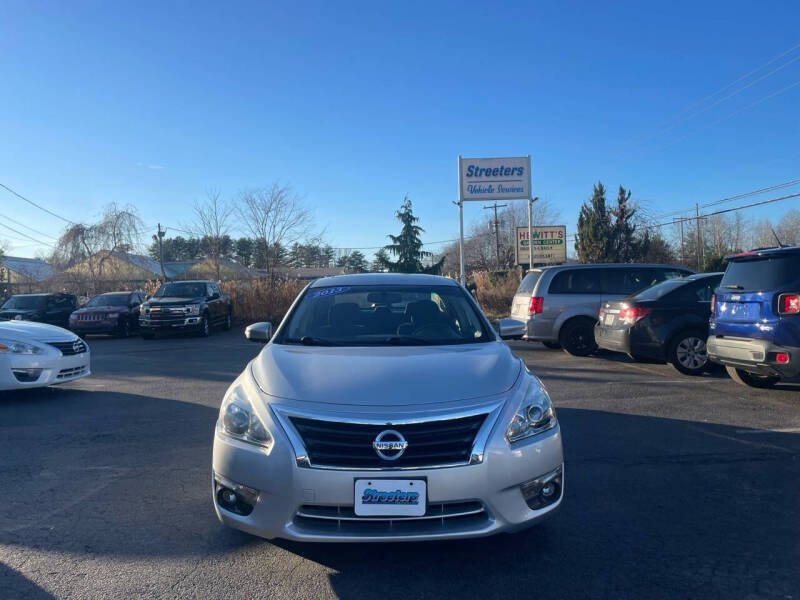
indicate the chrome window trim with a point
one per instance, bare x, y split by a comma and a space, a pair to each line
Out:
492, 411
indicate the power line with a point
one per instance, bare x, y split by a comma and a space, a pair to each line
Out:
36, 205
27, 227
26, 235
665, 126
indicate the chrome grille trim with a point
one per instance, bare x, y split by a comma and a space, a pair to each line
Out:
283, 416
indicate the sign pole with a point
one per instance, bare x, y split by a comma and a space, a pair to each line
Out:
460, 226
530, 218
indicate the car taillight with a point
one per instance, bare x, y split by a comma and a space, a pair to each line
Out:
713, 302
789, 304
633, 314
536, 305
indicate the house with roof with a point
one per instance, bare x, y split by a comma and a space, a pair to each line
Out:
19, 274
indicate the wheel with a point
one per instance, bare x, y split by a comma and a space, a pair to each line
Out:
205, 327
148, 335
228, 322
687, 352
552, 345
124, 328
577, 337
755, 380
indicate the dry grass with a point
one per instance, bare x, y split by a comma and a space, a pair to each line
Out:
495, 291
262, 299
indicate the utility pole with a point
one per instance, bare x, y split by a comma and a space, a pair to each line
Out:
160, 238
680, 222
495, 206
699, 241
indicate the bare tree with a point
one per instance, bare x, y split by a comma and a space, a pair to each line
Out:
119, 229
276, 217
213, 221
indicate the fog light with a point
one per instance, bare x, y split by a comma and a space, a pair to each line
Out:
543, 490
235, 497
782, 358
26, 375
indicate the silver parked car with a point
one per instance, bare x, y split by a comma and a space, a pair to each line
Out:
385, 407
559, 305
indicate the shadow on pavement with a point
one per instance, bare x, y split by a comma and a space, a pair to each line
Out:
654, 507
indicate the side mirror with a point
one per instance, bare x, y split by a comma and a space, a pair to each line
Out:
214, 296
148, 296
510, 329
259, 332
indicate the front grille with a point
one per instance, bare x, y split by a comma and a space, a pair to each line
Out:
349, 445
72, 372
448, 517
90, 317
69, 348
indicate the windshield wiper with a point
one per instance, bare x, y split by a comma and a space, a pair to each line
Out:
397, 340
307, 340
734, 286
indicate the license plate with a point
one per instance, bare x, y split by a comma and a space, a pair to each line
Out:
390, 497
609, 319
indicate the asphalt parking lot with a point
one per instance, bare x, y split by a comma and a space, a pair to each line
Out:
676, 487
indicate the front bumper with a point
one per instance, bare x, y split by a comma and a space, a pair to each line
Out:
316, 504
170, 324
754, 356
43, 369
89, 327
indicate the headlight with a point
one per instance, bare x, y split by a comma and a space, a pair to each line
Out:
193, 309
15, 347
535, 414
238, 419
112, 315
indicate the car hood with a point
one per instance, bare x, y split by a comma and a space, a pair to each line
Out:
10, 313
25, 331
385, 376
167, 300
103, 309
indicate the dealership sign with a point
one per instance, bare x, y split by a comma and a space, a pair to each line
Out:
494, 178
549, 245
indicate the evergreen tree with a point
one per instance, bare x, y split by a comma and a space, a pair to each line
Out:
627, 246
594, 239
407, 246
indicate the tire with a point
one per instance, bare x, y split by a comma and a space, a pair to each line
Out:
124, 329
205, 326
755, 380
687, 352
552, 345
147, 335
228, 322
577, 337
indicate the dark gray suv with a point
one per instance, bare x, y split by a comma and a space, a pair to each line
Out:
559, 305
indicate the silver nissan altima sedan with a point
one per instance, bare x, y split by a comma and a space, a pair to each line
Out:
385, 407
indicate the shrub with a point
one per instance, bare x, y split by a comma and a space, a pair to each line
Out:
262, 299
494, 292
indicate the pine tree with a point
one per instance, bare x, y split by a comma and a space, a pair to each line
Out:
627, 246
407, 246
594, 239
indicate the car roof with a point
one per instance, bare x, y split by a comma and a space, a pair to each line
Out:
696, 276
612, 265
191, 281
113, 293
384, 279
763, 253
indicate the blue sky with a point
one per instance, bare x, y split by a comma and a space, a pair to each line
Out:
357, 103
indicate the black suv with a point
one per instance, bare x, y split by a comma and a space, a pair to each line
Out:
53, 309
194, 306
755, 317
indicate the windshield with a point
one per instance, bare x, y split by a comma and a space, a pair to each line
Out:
26, 302
109, 300
659, 290
763, 274
181, 290
381, 315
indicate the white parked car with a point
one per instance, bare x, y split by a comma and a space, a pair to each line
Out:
386, 407
38, 355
